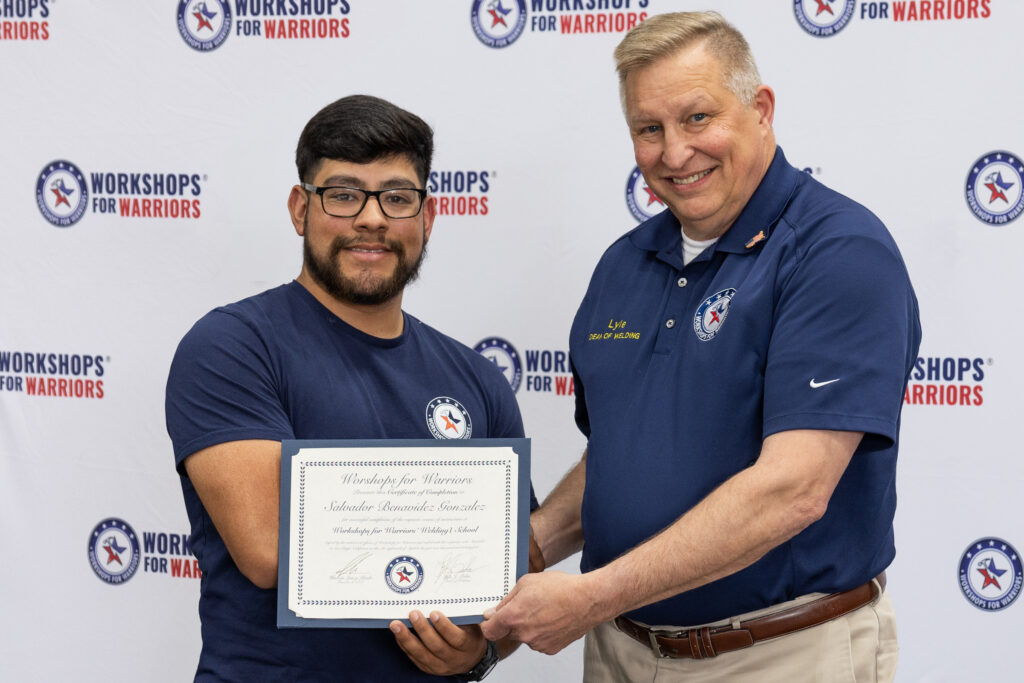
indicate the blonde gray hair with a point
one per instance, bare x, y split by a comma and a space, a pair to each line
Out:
666, 34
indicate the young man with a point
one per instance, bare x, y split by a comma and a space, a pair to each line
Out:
330, 355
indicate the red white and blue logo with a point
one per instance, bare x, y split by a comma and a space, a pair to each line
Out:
545, 370
640, 198
62, 193
711, 314
991, 574
404, 574
994, 188
823, 18
448, 419
204, 25
114, 551
498, 23
505, 358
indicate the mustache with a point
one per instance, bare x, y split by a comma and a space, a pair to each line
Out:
339, 243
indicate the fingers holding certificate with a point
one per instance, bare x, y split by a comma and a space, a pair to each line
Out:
373, 530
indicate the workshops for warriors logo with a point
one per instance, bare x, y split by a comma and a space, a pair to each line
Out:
640, 199
499, 23
993, 191
65, 193
990, 574
59, 375
205, 25
948, 381
461, 192
24, 20
544, 370
116, 554
826, 18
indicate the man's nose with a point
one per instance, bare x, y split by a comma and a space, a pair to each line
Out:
678, 148
371, 216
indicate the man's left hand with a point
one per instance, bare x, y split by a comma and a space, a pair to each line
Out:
546, 611
441, 648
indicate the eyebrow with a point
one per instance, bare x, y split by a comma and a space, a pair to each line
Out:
352, 181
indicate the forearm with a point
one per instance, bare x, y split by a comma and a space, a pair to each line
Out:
556, 523
756, 510
713, 540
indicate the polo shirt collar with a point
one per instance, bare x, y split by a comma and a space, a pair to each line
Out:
661, 233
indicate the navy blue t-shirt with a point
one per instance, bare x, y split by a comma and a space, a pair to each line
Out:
278, 366
801, 316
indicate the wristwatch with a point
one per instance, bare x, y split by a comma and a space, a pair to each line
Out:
484, 666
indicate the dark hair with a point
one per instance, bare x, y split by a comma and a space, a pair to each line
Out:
361, 129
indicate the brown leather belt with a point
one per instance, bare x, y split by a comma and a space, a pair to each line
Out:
700, 643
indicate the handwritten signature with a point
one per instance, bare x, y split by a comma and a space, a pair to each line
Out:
457, 568
353, 565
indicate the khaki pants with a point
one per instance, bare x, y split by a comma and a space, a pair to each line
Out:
859, 647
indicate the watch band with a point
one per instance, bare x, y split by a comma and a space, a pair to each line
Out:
484, 666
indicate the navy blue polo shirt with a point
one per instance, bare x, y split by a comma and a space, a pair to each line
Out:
801, 316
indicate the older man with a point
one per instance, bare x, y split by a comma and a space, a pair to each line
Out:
735, 501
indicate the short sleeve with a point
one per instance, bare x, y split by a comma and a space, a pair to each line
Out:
844, 337
222, 387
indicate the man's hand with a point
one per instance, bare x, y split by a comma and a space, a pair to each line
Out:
442, 648
546, 611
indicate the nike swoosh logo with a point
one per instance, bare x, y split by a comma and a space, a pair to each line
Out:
818, 385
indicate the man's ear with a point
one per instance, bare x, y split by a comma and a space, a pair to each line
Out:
298, 204
429, 213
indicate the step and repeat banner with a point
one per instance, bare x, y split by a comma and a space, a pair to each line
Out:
148, 153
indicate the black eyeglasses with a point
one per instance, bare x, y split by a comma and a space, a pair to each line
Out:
347, 202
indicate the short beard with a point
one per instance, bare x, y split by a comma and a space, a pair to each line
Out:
364, 289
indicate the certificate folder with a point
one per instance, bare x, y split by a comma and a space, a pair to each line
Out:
373, 529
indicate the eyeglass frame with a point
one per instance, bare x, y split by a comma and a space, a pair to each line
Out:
317, 189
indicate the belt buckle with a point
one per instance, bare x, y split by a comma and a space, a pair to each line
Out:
652, 636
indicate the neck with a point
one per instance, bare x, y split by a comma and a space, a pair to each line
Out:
384, 321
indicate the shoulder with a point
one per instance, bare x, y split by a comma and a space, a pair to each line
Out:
625, 248
253, 316
441, 342
817, 214
457, 353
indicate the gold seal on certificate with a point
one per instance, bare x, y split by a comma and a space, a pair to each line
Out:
371, 530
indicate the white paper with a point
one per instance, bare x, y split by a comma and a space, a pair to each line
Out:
378, 532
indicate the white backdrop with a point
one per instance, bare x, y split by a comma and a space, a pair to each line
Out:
894, 104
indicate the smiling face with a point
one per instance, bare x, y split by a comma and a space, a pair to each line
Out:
368, 259
701, 149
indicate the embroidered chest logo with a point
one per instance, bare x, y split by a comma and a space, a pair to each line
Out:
711, 314
448, 419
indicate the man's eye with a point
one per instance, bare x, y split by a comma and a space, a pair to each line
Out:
699, 117
650, 130
340, 196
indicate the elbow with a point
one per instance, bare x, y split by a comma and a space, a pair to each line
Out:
807, 510
263, 578
261, 570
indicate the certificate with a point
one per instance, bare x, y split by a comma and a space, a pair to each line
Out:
371, 530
